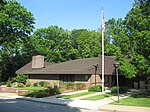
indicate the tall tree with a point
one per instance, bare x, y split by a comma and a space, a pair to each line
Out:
60, 45
137, 21
53, 42
16, 22
131, 38
87, 43
15, 27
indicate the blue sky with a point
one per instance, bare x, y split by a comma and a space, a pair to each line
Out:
75, 14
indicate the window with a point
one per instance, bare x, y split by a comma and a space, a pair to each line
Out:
86, 77
67, 77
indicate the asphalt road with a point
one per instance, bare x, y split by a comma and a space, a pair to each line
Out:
16, 105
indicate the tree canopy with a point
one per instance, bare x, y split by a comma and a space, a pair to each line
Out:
16, 24
127, 39
131, 37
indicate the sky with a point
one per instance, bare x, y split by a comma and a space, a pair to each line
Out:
75, 14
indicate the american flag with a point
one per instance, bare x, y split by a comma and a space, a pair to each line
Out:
103, 23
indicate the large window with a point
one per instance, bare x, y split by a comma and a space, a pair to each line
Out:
67, 78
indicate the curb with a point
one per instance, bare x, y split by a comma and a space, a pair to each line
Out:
112, 110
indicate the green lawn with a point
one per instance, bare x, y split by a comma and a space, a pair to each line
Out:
97, 97
31, 88
135, 100
75, 95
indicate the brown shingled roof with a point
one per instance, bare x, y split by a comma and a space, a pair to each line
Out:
78, 66
28, 67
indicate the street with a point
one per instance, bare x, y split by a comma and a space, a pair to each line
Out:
16, 105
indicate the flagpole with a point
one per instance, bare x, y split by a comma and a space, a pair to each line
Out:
102, 51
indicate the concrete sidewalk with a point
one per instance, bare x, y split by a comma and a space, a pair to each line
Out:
10, 95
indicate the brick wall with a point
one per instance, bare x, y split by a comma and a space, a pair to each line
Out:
8, 90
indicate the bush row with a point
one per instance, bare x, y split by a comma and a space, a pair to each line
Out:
43, 83
96, 88
72, 86
44, 93
27, 84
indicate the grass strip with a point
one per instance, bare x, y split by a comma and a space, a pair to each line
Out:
97, 97
141, 100
75, 95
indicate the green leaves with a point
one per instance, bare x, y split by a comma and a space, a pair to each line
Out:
20, 78
128, 69
16, 24
127, 39
58, 45
131, 38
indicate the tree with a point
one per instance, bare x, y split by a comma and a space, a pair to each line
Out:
87, 43
137, 21
131, 38
58, 45
52, 42
16, 25
16, 22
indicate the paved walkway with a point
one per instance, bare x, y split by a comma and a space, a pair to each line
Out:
10, 95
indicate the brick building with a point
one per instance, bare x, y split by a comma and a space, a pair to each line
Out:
86, 70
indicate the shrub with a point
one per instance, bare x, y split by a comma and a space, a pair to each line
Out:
70, 85
15, 84
35, 84
114, 90
122, 89
8, 84
20, 78
44, 93
61, 84
39, 94
28, 84
80, 86
96, 88
20, 85
43, 83
54, 91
